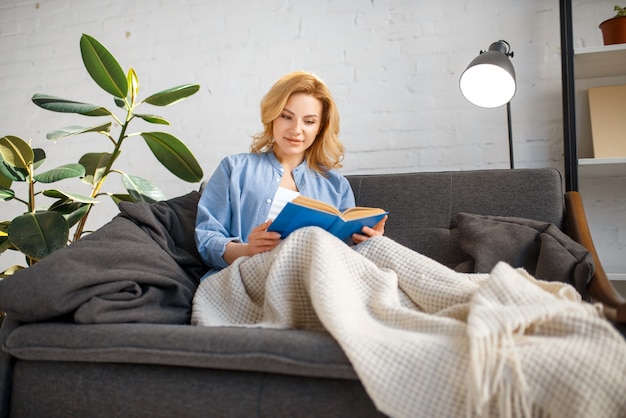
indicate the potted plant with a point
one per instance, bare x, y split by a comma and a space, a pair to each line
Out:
614, 29
41, 230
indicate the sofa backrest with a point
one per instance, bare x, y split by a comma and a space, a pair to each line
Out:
423, 206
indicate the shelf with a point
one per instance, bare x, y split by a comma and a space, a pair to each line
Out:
602, 167
601, 61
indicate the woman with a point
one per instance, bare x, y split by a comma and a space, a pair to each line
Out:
297, 153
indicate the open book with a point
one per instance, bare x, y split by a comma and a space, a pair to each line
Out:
304, 211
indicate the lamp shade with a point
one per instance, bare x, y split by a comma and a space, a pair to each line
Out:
489, 80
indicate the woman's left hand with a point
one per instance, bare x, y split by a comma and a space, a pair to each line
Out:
367, 232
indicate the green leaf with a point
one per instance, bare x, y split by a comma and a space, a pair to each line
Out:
72, 211
119, 103
103, 67
40, 158
39, 234
5, 182
16, 152
12, 173
9, 174
5, 243
73, 196
63, 172
57, 104
6, 194
133, 85
76, 215
95, 163
118, 198
174, 155
142, 190
77, 130
153, 119
173, 95
63, 205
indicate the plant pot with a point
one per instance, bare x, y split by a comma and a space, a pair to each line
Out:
614, 30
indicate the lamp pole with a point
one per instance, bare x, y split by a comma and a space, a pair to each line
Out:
508, 119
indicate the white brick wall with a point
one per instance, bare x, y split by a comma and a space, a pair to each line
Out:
393, 66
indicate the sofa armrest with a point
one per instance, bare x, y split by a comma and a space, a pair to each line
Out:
600, 288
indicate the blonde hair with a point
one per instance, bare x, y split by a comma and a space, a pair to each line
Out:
326, 152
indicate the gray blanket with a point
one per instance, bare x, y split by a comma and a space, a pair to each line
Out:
142, 266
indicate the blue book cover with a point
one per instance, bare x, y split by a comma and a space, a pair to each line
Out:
304, 211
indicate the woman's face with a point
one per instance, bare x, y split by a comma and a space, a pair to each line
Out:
297, 126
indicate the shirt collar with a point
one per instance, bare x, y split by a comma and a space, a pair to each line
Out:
274, 161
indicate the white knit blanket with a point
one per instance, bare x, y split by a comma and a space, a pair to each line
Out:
427, 341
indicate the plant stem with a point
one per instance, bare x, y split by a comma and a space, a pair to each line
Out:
80, 226
31, 190
31, 204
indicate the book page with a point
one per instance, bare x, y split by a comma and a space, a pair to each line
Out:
281, 198
316, 204
349, 214
360, 212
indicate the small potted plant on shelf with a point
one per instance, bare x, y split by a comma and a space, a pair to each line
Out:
614, 29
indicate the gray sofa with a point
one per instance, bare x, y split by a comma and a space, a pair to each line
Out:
76, 343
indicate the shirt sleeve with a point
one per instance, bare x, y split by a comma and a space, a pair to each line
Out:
214, 217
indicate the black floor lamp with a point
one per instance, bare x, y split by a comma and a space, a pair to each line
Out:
489, 81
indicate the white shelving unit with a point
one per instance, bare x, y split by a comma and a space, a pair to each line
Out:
602, 167
596, 67
600, 61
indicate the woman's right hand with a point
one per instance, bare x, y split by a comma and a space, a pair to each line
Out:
261, 240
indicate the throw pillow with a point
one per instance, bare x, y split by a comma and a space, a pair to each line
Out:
541, 248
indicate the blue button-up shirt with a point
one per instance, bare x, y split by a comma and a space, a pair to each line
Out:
239, 195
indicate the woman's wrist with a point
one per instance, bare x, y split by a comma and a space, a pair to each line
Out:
234, 250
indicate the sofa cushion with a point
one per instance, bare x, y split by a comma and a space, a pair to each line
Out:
539, 247
294, 352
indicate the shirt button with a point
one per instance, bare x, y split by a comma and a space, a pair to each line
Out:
277, 178
268, 201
